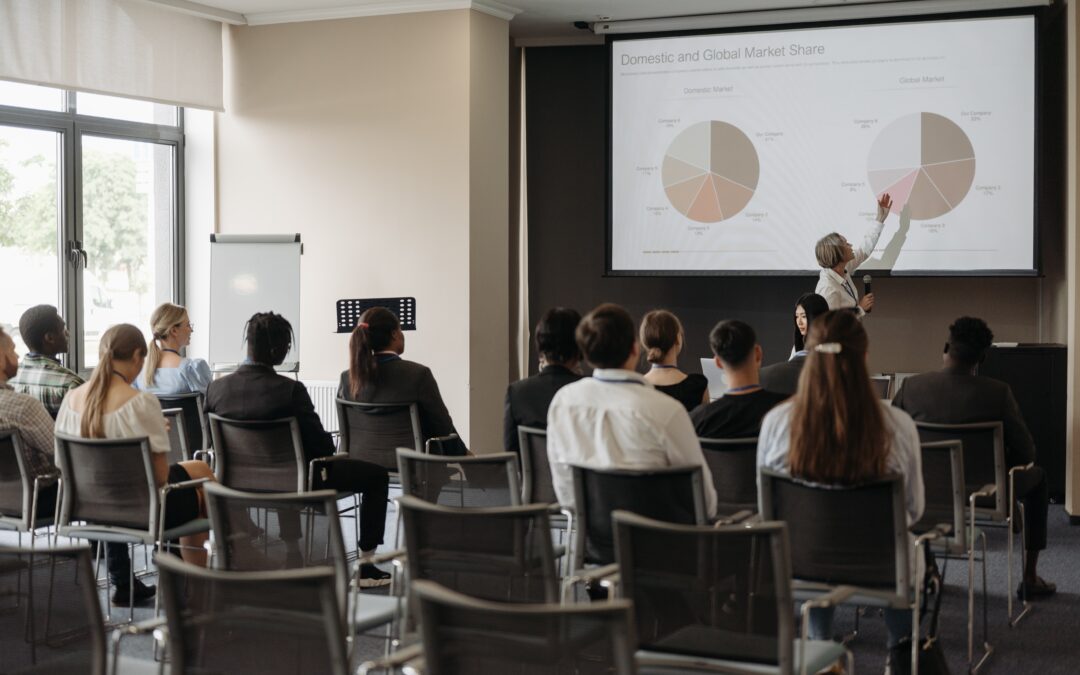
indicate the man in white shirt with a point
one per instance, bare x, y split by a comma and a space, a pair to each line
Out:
615, 419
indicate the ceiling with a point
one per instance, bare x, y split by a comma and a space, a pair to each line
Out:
531, 18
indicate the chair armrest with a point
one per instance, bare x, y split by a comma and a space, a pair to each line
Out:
1023, 467
594, 574
203, 455
440, 440
735, 518
156, 626
169, 487
834, 597
988, 490
394, 661
389, 556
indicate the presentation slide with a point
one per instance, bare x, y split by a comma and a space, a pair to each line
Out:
737, 152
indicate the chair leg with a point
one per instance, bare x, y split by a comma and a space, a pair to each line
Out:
988, 649
1023, 563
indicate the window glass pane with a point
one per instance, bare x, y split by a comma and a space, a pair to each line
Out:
31, 96
127, 194
29, 224
129, 109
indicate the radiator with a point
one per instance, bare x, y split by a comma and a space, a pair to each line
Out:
323, 394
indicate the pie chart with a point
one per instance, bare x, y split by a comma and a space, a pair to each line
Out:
924, 161
710, 171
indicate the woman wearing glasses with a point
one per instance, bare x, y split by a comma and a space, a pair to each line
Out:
167, 371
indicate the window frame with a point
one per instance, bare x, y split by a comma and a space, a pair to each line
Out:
71, 127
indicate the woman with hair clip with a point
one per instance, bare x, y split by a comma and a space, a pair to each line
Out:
109, 407
257, 392
662, 338
807, 308
378, 374
835, 431
167, 372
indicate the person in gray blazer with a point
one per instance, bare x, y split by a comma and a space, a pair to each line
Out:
378, 374
956, 395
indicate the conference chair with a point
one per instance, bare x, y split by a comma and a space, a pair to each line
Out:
50, 620
179, 450
480, 480
882, 385
258, 531
279, 622
848, 536
715, 598
945, 510
989, 485
536, 486
108, 494
670, 494
194, 418
19, 490
464, 635
374, 431
733, 465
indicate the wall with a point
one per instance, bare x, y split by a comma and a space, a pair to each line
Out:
566, 140
367, 136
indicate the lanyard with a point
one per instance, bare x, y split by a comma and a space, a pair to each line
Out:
602, 379
849, 290
748, 387
661, 366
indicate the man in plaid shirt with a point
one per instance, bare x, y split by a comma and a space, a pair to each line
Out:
41, 375
27, 415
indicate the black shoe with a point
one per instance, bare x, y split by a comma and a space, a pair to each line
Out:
373, 577
1041, 588
121, 596
899, 662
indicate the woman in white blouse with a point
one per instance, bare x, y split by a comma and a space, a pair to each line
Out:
109, 407
835, 431
838, 260
167, 372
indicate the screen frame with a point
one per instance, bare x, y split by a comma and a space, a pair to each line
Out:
1035, 13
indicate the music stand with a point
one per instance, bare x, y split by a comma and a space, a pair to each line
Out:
349, 311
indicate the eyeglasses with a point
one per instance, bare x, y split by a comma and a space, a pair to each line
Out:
189, 324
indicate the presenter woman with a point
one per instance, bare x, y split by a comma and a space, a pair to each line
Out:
838, 259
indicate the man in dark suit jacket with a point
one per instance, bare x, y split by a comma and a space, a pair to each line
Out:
527, 400
256, 392
956, 395
783, 378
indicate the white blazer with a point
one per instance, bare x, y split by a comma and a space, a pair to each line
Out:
840, 291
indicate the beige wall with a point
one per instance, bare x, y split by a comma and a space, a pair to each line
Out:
369, 137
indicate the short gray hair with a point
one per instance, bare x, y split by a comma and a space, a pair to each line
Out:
829, 250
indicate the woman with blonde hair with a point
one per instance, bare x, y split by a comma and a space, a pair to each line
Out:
835, 431
661, 337
838, 259
167, 372
109, 407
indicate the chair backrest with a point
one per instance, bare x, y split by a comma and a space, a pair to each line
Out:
502, 554
482, 480
851, 535
882, 384
179, 450
52, 620
713, 592
733, 465
107, 482
984, 458
462, 635
536, 485
16, 488
194, 417
256, 531
374, 431
260, 456
282, 622
943, 481
670, 494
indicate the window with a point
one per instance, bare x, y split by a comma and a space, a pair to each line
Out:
90, 211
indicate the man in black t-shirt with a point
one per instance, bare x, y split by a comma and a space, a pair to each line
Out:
738, 413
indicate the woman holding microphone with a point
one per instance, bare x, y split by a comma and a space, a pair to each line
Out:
838, 259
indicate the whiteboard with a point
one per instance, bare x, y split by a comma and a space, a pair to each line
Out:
251, 274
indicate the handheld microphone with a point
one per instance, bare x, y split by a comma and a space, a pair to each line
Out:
866, 286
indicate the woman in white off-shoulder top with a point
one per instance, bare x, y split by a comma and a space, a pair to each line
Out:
109, 407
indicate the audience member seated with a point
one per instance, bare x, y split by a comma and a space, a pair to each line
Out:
167, 372
109, 407
256, 392
783, 378
662, 338
40, 374
378, 374
956, 395
835, 431
27, 415
738, 413
615, 419
527, 400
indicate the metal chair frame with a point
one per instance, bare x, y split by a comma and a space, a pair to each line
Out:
461, 464
1002, 490
31, 488
177, 401
346, 431
713, 448
182, 452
